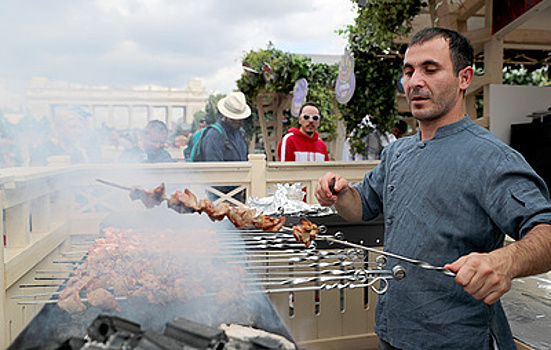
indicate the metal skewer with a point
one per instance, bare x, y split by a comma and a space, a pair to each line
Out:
114, 185
422, 264
53, 301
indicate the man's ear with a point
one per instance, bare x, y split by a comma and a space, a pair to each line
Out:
466, 76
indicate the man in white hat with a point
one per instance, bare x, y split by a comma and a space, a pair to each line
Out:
225, 139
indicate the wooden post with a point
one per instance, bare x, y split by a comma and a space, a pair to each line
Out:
41, 214
3, 286
258, 175
17, 226
272, 128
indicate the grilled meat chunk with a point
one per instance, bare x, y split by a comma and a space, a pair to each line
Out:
305, 232
103, 299
151, 198
72, 303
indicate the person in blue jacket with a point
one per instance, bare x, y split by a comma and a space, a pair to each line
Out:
449, 195
225, 140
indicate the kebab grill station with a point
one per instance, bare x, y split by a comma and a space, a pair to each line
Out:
157, 256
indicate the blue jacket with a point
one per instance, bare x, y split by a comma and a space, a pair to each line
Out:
457, 193
217, 148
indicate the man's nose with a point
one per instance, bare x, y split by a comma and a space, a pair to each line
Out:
417, 79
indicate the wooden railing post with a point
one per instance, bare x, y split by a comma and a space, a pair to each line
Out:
258, 175
3, 314
18, 232
41, 214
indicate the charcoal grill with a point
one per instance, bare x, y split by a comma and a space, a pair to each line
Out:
276, 264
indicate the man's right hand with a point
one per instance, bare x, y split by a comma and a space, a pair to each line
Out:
330, 187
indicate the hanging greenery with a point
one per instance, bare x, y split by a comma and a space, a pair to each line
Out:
286, 69
378, 64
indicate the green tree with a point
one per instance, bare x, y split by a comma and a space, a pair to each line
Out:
287, 68
378, 64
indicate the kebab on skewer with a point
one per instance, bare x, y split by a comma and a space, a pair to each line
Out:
305, 232
185, 202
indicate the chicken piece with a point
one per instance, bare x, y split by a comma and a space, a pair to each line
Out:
305, 232
190, 199
149, 198
103, 299
177, 202
219, 212
205, 206
269, 223
241, 217
72, 304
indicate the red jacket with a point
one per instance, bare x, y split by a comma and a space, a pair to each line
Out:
297, 147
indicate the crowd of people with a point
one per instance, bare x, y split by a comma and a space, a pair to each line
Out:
68, 138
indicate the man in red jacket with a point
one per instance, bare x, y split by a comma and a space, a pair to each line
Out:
303, 144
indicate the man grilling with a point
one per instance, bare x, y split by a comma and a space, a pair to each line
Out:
449, 195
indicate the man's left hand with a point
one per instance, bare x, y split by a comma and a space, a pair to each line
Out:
485, 276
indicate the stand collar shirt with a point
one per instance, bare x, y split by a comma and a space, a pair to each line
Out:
457, 193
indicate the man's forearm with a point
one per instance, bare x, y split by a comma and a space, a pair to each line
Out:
349, 205
531, 255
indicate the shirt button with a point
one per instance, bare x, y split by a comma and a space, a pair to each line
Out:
389, 221
390, 188
422, 144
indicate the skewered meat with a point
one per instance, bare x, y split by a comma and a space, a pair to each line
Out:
72, 303
219, 212
269, 223
103, 299
181, 202
305, 232
186, 202
205, 206
149, 198
241, 217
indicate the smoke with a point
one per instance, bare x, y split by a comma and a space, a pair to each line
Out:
183, 246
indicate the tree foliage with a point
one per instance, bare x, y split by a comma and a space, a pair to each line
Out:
287, 68
378, 64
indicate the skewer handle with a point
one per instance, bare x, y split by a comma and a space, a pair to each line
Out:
114, 185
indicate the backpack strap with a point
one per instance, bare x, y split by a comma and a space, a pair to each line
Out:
219, 127
195, 154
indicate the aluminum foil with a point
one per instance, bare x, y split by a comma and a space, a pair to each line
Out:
287, 200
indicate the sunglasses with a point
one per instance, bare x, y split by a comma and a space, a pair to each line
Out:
307, 117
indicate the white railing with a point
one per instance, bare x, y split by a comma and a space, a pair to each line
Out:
42, 206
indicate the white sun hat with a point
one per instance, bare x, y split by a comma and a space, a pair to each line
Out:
234, 106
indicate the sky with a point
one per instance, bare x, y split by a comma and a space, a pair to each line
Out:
156, 42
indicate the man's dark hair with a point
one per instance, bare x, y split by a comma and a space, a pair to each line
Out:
156, 126
309, 104
461, 50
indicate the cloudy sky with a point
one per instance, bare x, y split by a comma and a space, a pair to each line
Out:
156, 42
